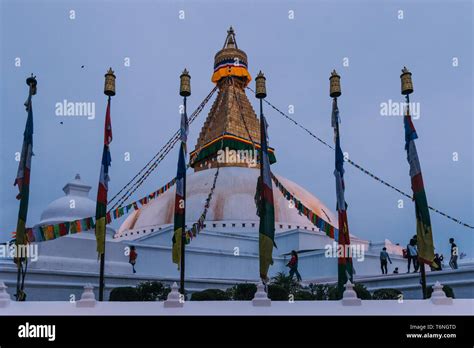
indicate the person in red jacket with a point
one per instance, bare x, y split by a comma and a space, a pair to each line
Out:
293, 264
133, 258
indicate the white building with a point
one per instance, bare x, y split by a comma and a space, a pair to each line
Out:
226, 251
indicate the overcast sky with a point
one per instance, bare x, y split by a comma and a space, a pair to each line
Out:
297, 56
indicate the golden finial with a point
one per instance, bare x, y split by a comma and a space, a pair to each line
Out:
31, 81
260, 88
230, 52
334, 84
407, 84
230, 41
109, 87
185, 85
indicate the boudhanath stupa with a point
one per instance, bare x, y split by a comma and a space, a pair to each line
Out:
225, 252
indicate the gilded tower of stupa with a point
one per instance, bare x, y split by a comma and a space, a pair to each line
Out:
232, 123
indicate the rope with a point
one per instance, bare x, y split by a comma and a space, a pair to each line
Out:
365, 171
197, 226
156, 159
315, 219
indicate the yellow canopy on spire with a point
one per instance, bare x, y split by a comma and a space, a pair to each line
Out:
239, 71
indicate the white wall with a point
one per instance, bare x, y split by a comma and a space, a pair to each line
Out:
66, 263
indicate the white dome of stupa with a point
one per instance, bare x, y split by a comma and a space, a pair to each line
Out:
232, 202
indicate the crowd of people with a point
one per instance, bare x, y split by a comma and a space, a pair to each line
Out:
411, 254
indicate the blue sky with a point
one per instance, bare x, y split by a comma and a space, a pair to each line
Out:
297, 56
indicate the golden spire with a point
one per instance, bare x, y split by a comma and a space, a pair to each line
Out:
230, 41
231, 123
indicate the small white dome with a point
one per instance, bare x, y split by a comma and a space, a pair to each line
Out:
61, 209
75, 205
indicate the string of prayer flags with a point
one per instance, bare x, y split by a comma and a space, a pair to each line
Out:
315, 219
199, 224
49, 232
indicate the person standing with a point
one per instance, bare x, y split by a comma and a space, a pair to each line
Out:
133, 258
453, 261
384, 257
412, 255
293, 264
416, 262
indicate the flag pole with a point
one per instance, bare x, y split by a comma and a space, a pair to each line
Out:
424, 232
420, 262
101, 208
102, 276
23, 182
180, 204
264, 191
423, 279
260, 93
344, 263
183, 224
